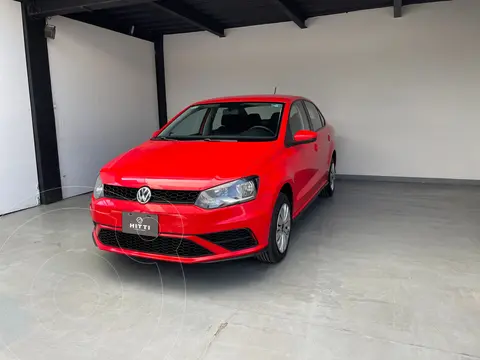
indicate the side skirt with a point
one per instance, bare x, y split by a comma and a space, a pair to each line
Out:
310, 202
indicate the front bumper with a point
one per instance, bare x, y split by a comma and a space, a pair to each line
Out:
186, 233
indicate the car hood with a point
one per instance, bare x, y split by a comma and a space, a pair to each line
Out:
187, 164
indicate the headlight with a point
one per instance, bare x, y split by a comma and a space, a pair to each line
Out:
231, 193
98, 189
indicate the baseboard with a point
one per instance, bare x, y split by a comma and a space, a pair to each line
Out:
401, 179
18, 210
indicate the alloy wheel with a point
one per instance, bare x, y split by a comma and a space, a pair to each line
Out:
332, 176
284, 222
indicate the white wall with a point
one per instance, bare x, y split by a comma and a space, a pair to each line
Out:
104, 92
403, 94
18, 171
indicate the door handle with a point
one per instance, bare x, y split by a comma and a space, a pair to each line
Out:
329, 137
315, 147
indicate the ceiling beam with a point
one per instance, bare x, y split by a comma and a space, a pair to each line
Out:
189, 14
102, 19
397, 8
44, 8
293, 12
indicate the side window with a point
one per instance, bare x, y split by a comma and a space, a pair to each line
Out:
317, 120
217, 120
191, 124
323, 119
297, 120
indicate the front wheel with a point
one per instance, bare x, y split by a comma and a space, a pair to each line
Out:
329, 189
280, 228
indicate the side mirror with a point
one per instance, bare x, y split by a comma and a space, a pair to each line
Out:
304, 137
155, 133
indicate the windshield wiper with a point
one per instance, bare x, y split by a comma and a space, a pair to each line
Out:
192, 138
163, 138
219, 140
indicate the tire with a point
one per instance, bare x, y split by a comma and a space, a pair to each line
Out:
329, 189
276, 251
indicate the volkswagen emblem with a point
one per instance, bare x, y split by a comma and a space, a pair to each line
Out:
144, 195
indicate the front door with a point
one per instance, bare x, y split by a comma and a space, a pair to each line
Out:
301, 165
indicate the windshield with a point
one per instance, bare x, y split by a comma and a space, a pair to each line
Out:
237, 121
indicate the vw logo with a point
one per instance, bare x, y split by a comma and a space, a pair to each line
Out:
144, 195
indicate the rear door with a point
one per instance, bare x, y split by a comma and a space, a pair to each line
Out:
300, 157
322, 149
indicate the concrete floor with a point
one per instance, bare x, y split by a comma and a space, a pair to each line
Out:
381, 271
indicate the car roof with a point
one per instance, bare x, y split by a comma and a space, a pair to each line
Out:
252, 98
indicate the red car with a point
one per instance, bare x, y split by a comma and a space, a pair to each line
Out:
223, 179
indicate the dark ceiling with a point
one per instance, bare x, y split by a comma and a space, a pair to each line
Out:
149, 19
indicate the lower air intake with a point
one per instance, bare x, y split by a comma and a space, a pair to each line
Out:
233, 240
161, 245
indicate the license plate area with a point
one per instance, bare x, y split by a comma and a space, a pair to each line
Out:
140, 224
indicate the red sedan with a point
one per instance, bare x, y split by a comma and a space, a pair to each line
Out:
223, 179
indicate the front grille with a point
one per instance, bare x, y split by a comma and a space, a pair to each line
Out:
158, 196
233, 240
162, 245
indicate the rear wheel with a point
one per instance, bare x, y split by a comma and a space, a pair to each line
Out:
280, 228
329, 189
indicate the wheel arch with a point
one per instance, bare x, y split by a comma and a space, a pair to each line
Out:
288, 191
